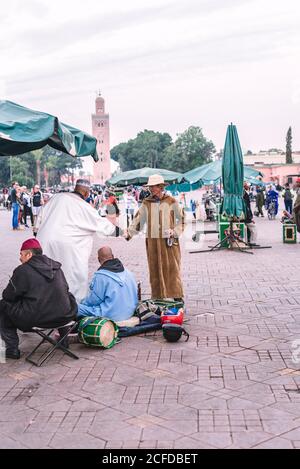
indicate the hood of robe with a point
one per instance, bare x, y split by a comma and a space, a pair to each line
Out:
45, 266
113, 265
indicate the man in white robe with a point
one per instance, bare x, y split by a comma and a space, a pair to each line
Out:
65, 228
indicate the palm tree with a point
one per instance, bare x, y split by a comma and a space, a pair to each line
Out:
38, 154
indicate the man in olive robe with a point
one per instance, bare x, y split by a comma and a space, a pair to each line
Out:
165, 222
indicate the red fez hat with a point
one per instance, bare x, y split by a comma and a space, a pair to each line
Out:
31, 243
298, 180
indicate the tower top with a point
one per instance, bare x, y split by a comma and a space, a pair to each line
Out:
100, 104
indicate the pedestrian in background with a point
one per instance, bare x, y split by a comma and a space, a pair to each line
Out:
288, 199
15, 205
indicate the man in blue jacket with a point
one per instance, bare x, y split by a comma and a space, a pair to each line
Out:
112, 292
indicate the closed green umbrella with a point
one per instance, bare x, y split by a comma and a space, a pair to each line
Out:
140, 177
233, 176
23, 130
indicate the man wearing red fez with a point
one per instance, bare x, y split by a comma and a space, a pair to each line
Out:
37, 295
66, 227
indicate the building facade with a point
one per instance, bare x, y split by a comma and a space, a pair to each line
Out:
270, 157
100, 130
279, 174
272, 165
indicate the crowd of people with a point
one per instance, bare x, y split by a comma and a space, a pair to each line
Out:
54, 264
23, 203
51, 286
268, 198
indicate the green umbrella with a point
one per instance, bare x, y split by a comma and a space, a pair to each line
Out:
211, 173
23, 130
140, 177
233, 176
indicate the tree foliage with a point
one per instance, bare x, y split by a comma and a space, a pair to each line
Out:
17, 168
289, 138
58, 164
191, 149
156, 150
4, 170
275, 150
45, 167
147, 149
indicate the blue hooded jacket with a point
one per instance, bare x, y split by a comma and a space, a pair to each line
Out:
112, 294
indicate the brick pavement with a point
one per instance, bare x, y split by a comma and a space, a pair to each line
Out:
233, 385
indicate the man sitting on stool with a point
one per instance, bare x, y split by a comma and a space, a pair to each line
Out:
113, 290
37, 295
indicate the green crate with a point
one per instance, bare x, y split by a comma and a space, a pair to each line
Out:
289, 233
223, 226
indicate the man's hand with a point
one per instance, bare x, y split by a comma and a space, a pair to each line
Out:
169, 233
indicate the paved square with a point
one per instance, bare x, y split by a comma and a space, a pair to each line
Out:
233, 385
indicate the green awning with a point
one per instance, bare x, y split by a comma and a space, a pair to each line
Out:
140, 177
211, 173
23, 130
255, 182
233, 204
184, 187
250, 172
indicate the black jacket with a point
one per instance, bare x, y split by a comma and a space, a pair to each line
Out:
38, 295
248, 214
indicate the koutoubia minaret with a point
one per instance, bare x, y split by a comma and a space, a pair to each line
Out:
100, 123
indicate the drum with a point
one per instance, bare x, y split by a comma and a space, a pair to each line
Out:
98, 332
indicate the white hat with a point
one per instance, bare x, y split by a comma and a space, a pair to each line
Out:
155, 180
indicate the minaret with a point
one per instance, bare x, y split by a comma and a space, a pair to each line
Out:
100, 124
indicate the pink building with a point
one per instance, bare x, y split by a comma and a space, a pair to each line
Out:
272, 165
279, 174
100, 130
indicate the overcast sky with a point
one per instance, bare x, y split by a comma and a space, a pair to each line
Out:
161, 65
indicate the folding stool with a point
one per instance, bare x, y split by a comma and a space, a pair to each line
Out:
59, 344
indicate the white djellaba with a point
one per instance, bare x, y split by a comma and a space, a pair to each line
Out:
66, 227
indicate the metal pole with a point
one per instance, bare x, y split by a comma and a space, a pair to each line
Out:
10, 170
